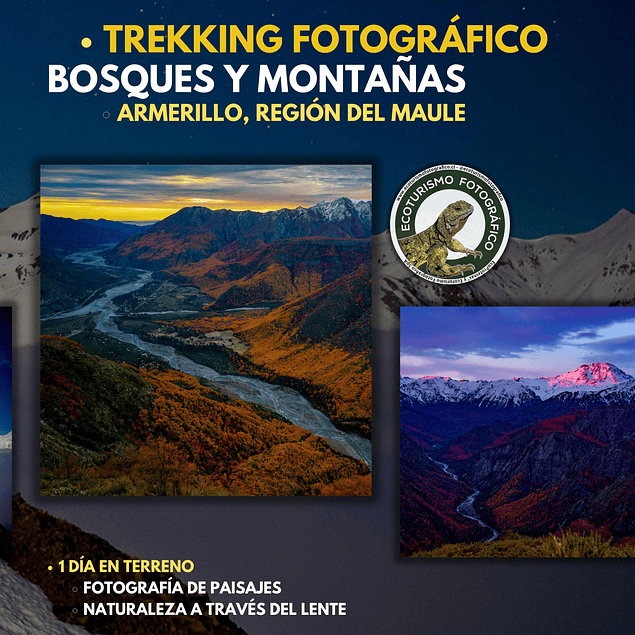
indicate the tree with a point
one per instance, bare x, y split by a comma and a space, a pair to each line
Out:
161, 464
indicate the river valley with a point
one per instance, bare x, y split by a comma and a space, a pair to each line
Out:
466, 507
285, 401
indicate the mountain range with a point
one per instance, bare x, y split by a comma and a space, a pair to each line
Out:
517, 391
236, 258
305, 272
195, 233
64, 235
542, 455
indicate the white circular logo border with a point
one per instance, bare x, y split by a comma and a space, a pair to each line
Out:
495, 191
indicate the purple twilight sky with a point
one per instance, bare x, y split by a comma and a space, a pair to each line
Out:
504, 342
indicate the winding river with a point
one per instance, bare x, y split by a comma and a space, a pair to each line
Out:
466, 507
285, 401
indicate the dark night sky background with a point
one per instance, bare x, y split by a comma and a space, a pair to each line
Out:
554, 131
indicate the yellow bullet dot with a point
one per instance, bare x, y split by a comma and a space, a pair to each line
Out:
50, 567
87, 42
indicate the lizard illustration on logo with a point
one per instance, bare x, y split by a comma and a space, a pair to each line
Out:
431, 245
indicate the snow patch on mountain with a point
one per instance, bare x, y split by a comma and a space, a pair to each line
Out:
6, 441
364, 209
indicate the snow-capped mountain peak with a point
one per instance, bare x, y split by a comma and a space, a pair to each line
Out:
336, 210
500, 393
598, 374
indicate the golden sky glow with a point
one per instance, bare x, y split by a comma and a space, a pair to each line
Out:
149, 193
134, 211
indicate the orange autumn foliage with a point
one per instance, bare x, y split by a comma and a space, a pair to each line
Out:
243, 448
527, 512
184, 438
333, 369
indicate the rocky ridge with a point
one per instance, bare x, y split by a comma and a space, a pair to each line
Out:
196, 233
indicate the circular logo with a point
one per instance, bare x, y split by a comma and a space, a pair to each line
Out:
449, 224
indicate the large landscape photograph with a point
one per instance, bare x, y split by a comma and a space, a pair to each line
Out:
517, 431
206, 330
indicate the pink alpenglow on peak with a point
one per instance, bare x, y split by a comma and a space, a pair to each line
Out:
590, 375
435, 377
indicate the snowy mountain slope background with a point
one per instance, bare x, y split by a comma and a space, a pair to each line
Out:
6, 441
593, 269
23, 606
26, 609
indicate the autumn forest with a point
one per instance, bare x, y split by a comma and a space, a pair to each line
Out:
267, 316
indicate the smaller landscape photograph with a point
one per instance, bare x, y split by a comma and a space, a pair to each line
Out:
206, 330
517, 432
6, 434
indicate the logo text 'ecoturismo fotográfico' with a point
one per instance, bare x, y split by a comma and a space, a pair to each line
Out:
449, 224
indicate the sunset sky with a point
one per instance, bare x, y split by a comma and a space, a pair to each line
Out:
152, 192
505, 342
